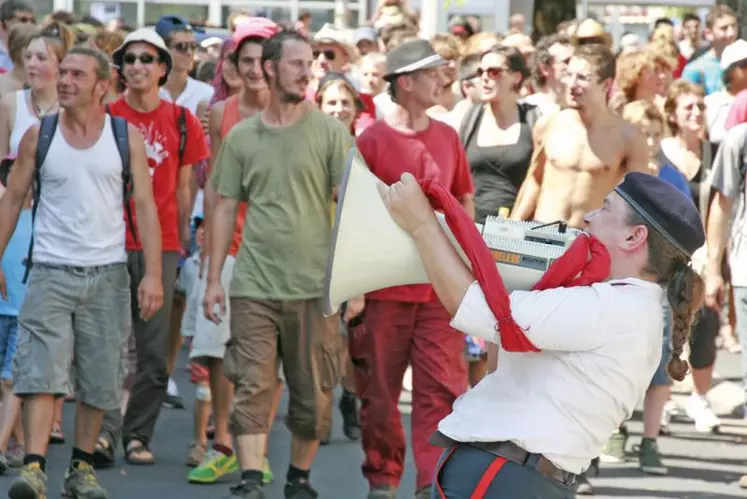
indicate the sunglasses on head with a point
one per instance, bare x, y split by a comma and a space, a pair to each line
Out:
328, 54
133, 58
493, 73
184, 47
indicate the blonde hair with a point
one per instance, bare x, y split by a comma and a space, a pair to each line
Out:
108, 41
447, 46
640, 111
58, 38
677, 90
481, 43
663, 53
19, 37
628, 70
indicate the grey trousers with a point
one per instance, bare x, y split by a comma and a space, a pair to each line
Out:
152, 348
459, 473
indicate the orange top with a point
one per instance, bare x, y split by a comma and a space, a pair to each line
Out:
231, 116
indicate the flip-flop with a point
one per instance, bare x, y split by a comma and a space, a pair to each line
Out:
132, 451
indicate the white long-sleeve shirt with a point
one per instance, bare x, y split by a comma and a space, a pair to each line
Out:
600, 346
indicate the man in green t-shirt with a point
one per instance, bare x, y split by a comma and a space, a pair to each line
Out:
286, 163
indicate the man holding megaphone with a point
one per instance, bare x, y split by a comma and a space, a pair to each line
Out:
579, 350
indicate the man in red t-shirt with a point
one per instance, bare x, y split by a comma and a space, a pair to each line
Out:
174, 141
407, 324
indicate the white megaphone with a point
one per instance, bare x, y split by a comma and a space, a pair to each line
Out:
369, 251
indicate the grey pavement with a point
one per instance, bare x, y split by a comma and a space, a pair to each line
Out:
701, 466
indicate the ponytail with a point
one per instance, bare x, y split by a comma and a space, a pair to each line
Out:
685, 295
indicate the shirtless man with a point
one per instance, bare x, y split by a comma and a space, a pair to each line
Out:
582, 152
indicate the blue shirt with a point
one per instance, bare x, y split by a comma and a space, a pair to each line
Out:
705, 71
673, 176
13, 267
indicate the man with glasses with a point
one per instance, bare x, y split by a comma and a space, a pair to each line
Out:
332, 54
144, 63
185, 91
12, 12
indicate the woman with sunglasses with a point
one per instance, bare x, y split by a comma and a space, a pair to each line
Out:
497, 136
20, 111
689, 152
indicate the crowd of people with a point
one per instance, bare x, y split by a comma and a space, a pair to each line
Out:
158, 191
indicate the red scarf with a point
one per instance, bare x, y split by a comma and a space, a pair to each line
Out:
573, 268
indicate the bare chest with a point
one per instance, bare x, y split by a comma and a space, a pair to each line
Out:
572, 147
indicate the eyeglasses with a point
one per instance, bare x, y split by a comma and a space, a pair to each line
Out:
184, 47
328, 54
133, 58
29, 19
493, 73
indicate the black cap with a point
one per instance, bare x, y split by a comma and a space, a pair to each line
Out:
668, 210
412, 56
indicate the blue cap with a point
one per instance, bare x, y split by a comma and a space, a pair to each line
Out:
669, 211
168, 24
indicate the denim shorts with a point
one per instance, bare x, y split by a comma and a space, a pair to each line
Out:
661, 377
8, 341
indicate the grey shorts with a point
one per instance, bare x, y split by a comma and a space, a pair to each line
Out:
74, 322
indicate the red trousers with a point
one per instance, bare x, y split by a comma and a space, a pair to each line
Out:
393, 335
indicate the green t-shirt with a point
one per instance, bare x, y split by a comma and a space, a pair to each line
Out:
287, 176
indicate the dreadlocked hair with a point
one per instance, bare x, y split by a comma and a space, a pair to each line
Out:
684, 289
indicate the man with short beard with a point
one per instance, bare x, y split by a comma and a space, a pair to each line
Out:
76, 313
285, 162
208, 346
144, 62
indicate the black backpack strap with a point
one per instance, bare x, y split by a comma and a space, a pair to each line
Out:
182, 122
47, 129
469, 123
122, 138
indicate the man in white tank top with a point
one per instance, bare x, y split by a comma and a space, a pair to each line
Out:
79, 289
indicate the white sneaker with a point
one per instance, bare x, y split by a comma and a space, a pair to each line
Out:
172, 389
670, 408
699, 410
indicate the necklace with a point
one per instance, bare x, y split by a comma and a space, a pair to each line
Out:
38, 110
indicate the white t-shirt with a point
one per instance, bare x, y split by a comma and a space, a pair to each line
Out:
194, 93
600, 346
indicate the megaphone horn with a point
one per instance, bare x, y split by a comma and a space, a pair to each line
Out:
369, 251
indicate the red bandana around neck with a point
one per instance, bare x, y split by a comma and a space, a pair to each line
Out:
573, 268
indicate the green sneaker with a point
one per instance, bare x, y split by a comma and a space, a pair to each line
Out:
81, 483
614, 450
649, 458
267, 476
31, 484
215, 465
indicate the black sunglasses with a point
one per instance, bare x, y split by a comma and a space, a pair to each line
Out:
184, 47
133, 58
328, 54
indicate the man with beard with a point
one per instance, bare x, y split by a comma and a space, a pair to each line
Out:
208, 345
144, 62
285, 162
407, 324
583, 152
79, 291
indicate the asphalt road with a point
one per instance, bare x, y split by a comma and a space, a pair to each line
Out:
701, 466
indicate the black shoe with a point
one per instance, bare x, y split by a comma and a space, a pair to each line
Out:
247, 489
299, 489
351, 425
583, 487
173, 402
103, 454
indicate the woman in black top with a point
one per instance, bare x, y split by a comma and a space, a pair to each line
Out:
497, 135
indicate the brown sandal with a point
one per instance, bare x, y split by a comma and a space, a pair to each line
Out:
138, 454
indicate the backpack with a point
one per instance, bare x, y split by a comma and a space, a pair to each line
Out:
47, 129
528, 114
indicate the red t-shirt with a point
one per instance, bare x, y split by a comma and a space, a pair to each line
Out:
367, 116
232, 116
737, 111
160, 128
434, 152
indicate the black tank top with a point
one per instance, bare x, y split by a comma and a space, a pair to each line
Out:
498, 171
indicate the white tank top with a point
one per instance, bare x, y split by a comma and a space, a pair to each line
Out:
80, 219
23, 120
